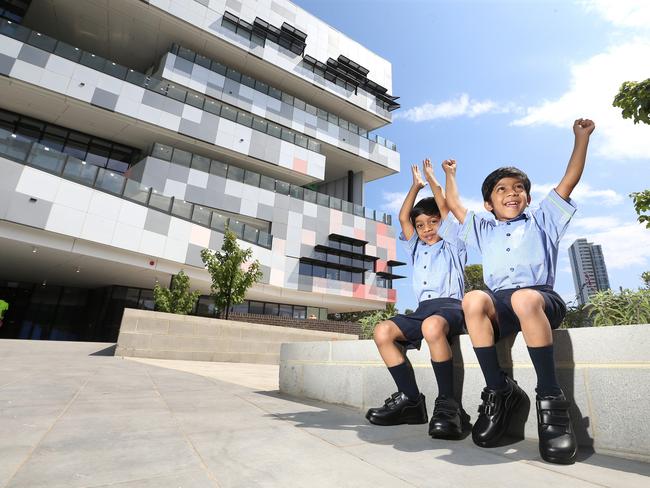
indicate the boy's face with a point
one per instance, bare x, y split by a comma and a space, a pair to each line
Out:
508, 199
427, 228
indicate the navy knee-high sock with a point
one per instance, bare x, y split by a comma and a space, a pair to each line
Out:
404, 377
444, 371
495, 378
542, 358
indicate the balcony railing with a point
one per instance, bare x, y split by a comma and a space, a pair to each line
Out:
266, 89
164, 88
219, 168
42, 157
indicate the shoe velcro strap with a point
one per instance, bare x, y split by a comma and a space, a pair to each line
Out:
485, 408
554, 404
549, 418
488, 396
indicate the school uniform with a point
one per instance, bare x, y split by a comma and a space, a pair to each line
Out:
521, 253
438, 282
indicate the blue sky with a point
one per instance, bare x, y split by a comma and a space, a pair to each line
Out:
499, 83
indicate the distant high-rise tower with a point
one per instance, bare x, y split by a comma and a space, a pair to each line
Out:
589, 270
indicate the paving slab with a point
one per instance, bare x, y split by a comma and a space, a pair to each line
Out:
73, 415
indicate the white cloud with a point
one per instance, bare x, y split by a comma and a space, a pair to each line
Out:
461, 106
584, 193
595, 82
623, 13
625, 244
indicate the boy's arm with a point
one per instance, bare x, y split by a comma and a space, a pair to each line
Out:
582, 128
407, 227
453, 199
436, 188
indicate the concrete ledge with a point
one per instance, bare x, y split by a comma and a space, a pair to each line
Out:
159, 335
605, 371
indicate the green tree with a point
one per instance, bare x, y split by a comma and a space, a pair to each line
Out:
177, 299
624, 308
634, 100
641, 201
474, 278
369, 322
645, 276
231, 276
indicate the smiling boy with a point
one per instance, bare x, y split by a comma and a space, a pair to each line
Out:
519, 251
431, 239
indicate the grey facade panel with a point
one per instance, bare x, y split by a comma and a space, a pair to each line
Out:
34, 56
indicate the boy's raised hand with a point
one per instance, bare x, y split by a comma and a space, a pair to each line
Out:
427, 167
449, 167
583, 127
418, 182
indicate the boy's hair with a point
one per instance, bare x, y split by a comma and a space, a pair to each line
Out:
505, 172
426, 206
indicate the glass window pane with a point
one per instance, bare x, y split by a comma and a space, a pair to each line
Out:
133, 190
218, 168
235, 173
67, 51
267, 183
160, 201
288, 135
274, 130
305, 269
229, 113
319, 271
271, 309
109, 181
282, 187
299, 312
285, 311
219, 222
116, 70
212, 107
44, 158
200, 163
182, 209
77, 170
201, 215
256, 307
41, 41
244, 119
260, 124
181, 157
92, 61
252, 178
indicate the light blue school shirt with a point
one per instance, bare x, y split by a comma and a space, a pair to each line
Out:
438, 269
522, 251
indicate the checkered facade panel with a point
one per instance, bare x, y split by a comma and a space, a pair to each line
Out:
74, 210
322, 41
29, 64
212, 84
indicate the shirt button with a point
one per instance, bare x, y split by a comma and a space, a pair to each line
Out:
508, 234
517, 286
512, 269
425, 252
428, 296
425, 266
425, 282
507, 249
507, 223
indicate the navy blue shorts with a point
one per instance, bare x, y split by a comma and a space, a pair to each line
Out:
450, 309
508, 322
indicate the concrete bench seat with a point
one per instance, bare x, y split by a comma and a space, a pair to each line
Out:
605, 371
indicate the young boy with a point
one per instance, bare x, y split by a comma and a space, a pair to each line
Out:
519, 252
438, 282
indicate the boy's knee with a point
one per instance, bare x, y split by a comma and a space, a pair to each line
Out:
476, 302
434, 329
526, 302
383, 333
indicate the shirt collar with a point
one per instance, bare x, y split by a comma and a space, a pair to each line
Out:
522, 216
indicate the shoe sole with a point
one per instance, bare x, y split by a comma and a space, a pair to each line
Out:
375, 421
559, 460
450, 436
492, 442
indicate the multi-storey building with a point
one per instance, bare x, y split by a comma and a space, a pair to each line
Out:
588, 269
133, 132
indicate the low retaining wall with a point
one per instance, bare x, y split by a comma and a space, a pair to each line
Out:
161, 335
605, 371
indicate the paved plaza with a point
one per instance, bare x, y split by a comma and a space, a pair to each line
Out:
72, 415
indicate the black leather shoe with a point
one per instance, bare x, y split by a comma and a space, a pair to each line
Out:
557, 441
495, 413
393, 397
447, 419
398, 409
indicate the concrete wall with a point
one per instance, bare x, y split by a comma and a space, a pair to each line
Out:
605, 371
160, 335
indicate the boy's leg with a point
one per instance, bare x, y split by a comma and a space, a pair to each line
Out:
385, 335
480, 315
528, 305
557, 441
446, 420
502, 396
407, 405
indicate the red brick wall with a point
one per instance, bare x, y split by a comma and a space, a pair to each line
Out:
324, 325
